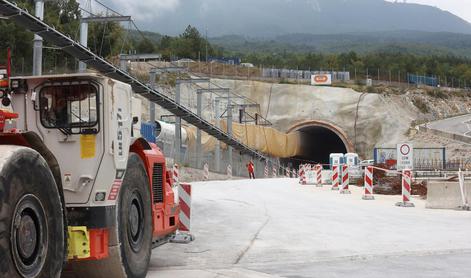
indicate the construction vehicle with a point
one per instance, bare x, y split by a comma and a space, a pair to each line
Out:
79, 188
77, 185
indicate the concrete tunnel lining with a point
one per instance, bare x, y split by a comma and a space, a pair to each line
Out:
318, 140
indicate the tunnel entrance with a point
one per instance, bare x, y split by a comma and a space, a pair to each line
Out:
318, 141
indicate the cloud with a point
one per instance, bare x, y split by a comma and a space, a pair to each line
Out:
143, 10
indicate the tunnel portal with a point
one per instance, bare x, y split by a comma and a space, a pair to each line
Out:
318, 141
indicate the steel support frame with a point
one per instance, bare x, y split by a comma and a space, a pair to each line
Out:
75, 49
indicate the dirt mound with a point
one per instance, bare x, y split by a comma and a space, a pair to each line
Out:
392, 185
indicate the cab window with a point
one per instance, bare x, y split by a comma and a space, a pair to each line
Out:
69, 107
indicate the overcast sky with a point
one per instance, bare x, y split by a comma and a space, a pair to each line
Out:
461, 8
148, 9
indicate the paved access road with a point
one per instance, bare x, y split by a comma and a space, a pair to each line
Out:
278, 228
458, 125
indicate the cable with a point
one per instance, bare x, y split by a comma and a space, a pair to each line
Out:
356, 118
269, 101
125, 38
108, 8
103, 38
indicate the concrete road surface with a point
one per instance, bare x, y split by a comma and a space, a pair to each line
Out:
278, 228
458, 125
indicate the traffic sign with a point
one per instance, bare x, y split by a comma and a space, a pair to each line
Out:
405, 157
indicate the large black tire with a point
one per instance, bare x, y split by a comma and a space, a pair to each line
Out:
31, 216
135, 219
131, 239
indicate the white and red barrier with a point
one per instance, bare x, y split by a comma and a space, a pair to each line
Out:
229, 171
184, 200
288, 172
406, 189
294, 174
275, 172
205, 171
345, 180
302, 174
368, 193
266, 170
335, 177
318, 175
176, 175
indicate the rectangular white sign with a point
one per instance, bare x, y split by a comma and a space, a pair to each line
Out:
321, 79
405, 157
311, 177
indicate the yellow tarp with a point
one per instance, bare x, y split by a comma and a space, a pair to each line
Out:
264, 139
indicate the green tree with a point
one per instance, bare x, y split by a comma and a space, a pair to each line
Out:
146, 46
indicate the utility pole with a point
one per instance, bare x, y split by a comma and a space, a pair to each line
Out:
152, 77
84, 34
91, 18
38, 41
178, 127
207, 44
199, 111
218, 143
229, 127
178, 120
199, 108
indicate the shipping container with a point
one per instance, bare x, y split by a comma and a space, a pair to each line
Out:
422, 80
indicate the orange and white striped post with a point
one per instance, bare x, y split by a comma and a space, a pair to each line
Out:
335, 177
345, 180
275, 172
319, 175
266, 170
302, 174
176, 175
368, 194
406, 190
205, 171
184, 200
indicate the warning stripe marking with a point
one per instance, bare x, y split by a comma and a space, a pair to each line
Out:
184, 223
185, 208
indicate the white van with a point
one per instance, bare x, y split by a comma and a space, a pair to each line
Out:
336, 159
352, 159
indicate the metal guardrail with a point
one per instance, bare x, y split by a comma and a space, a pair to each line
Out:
80, 52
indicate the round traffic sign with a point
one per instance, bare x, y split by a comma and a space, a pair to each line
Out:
405, 149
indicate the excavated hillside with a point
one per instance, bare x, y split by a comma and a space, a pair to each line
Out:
381, 117
343, 119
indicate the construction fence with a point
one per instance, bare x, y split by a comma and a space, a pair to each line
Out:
346, 74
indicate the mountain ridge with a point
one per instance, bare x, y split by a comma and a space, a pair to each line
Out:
270, 18
416, 42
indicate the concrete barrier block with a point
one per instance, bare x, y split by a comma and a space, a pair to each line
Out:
445, 195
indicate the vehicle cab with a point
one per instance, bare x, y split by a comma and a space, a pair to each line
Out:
336, 159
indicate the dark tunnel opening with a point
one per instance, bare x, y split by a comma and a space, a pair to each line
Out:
317, 143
